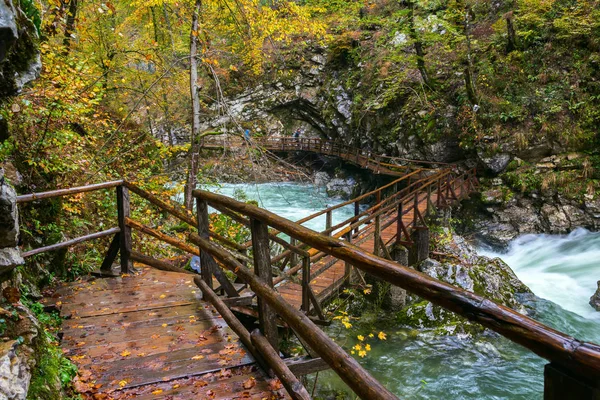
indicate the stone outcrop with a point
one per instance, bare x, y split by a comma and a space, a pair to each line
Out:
462, 267
10, 256
19, 56
17, 357
343, 188
502, 216
595, 299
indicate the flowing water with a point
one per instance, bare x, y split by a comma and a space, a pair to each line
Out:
561, 270
293, 201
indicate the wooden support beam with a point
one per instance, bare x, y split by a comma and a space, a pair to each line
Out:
316, 304
262, 269
356, 212
111, 253
293, 255
328, 218
125, 236
293, 386
419, 251
305, 365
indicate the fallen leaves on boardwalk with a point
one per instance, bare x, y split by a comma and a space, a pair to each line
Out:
148, 337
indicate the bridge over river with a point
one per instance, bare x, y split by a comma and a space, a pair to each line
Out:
157, 331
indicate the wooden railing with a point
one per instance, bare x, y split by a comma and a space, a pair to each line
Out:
219, 252
578, 359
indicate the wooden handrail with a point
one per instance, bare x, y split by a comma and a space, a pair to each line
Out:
546, 342
181, 214
24, 198
69, 243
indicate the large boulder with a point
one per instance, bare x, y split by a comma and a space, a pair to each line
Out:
464, 268
496, 163
339, 187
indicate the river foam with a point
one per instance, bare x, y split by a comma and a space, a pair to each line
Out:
561, 268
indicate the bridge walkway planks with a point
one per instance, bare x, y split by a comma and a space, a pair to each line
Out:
149, 335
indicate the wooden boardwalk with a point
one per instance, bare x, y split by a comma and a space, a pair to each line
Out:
150, 336
385, 165
330, 272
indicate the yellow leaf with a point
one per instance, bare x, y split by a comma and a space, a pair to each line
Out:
164, 325
123, 383
198, 357
382, 336
361, 337
125, 353
162, 296
157, 391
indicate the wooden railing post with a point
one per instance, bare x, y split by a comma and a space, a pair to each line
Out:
377, 228
347, 265
439, 193
306, 284
328, 219
428, 200
356, 212
416, 209
293, 255
262, 268
419, 250
562, 384
207, 263
123, 208
399, 221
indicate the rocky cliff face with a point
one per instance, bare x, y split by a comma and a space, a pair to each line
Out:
19, 56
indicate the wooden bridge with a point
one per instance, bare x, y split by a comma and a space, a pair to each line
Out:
161, 332
378, 164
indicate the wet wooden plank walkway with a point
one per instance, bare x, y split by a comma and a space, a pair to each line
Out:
149, 335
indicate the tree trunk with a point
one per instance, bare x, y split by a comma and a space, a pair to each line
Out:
512, 36
193, 167
70, 26
417, 43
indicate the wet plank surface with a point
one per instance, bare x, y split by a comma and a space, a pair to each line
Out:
149, 335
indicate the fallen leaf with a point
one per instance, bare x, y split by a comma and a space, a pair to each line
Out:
198, 357
157, 391
250, 383
122, 383
125, 353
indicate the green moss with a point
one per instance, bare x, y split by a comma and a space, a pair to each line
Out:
53, 373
